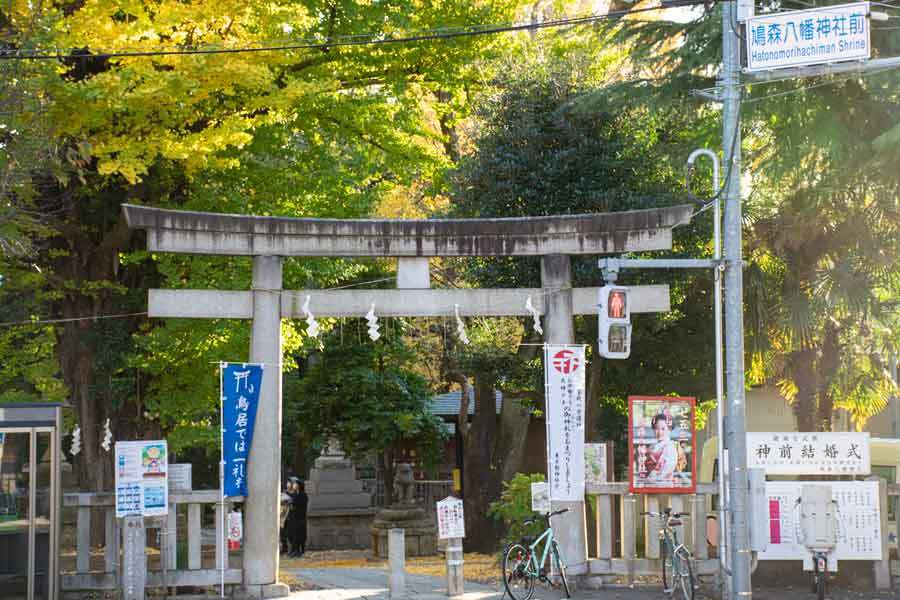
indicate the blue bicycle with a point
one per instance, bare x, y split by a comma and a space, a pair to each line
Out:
521, 566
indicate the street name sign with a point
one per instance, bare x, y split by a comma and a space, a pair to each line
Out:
808, 37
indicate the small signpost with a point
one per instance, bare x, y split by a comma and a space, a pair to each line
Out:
134, 558
540, 497
825, 34
180, 477
452, 527
235, 530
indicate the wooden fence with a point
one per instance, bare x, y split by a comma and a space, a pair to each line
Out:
888, 568
94, 574
626, 543
618, 524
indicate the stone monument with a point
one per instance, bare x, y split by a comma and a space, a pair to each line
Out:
339, 512
405, 513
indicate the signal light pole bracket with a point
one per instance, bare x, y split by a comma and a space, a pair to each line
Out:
611, 266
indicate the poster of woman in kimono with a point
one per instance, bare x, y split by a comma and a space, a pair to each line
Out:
661, 444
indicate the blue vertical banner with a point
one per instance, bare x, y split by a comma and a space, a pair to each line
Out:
241, 384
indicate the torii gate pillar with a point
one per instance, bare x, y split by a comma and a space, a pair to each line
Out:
559, 328
264, 462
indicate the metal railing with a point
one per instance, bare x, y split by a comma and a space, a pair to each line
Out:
428, 491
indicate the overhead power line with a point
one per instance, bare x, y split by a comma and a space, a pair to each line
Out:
371, 39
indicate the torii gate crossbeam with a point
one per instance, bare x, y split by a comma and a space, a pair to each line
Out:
268, 239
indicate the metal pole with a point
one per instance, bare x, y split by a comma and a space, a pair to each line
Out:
720, 405
735, 442
221, 565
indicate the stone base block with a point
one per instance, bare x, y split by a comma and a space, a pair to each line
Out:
339, 530
276, 590
327, 488
339, 501
419, 544
259, 592
334, 473
591, 582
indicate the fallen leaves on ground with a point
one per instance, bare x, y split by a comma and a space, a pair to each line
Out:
481, 568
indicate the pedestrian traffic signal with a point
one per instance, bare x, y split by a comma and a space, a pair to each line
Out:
615, 322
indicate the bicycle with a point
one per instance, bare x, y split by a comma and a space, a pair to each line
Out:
677, 560
521, 567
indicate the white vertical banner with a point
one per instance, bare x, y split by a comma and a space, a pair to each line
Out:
564, 368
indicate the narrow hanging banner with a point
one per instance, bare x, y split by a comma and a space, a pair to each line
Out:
564, 369
241, 383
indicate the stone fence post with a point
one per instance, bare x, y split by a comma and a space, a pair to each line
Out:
454, 567
397, 562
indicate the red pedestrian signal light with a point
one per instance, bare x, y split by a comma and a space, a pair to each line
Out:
614, 336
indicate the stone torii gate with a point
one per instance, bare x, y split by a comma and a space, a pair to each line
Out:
269, 239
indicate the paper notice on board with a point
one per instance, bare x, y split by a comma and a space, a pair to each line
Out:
141, 470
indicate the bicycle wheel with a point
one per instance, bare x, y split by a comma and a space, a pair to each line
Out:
686, 575
517, 578
667, 557
561, 569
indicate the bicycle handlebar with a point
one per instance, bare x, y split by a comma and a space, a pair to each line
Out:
530, 520
666, 514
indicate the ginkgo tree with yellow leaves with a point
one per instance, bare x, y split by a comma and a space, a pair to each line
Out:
246, 106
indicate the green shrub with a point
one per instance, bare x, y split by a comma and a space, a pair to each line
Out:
514, 506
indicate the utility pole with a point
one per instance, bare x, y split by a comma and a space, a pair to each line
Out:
736, 439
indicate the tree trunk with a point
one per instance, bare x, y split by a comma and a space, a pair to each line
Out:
386, 460
802, 367
829, 363
592, 400
482, 479
512, 438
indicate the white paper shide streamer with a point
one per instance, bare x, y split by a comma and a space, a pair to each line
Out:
312, 326
535, 314
76, 441
460, 326
373, 324
107, 437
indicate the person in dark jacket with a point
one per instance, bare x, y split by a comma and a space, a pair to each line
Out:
296, 521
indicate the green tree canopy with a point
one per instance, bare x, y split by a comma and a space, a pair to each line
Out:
366, 395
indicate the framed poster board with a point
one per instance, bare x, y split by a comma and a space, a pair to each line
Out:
662, 445
859, 513
598, 463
